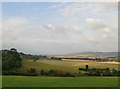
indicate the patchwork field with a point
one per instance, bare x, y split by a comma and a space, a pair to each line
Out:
27, 81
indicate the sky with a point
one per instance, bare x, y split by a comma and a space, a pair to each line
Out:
60, 27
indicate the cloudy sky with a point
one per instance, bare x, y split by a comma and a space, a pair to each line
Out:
60, 27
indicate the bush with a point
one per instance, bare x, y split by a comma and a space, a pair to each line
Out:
107, 72
51, 73
31, 72
114, 72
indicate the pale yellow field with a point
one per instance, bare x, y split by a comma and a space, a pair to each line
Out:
80, 63
66, 65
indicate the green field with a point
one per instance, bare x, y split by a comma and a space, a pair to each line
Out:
30, 81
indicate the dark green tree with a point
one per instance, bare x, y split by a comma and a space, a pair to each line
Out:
10, 60
114, 72
13, 49
42, 72
87, 67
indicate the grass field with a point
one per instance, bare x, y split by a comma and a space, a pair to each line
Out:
67, 66
30, 81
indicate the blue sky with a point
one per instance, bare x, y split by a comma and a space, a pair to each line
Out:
59, 28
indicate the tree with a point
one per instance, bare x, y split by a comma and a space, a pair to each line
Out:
42, 72
13, 49
10, 60
87, 67
114, 72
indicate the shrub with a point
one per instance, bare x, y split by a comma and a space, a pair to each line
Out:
31, 72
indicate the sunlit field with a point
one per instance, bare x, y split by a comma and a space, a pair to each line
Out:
65, 65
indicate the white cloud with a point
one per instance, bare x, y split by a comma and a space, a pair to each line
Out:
106, 30
16, 29
14, 22
100, 28
86, 9
11, 27
104, 35
95, 23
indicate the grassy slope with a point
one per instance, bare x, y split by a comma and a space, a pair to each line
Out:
68, 66
27, 81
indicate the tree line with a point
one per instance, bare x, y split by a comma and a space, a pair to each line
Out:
100, 71
34, 72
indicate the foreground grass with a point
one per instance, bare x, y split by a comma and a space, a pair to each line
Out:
0, 81
32, 81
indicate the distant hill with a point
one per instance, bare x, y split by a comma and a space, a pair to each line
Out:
109, 54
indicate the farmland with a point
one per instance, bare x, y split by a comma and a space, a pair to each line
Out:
65, 65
